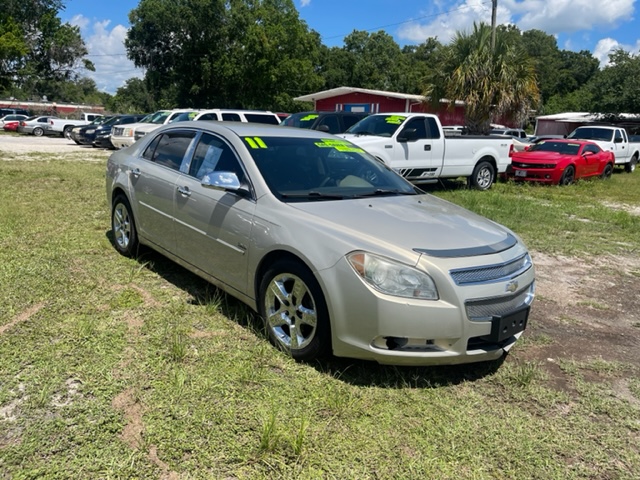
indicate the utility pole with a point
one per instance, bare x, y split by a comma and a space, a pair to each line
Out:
494, 7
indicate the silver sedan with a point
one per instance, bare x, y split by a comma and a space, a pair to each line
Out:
335, 251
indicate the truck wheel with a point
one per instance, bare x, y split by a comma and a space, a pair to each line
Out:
483, 176
66, 133
631, 166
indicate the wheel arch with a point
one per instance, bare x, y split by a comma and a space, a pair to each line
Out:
270, 259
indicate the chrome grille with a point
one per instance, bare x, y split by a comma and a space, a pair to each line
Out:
486, 309
118, 131
491, 273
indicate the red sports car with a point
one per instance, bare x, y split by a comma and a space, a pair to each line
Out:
561, 162
11, 126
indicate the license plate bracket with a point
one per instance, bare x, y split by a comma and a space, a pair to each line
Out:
503, 327
521, 173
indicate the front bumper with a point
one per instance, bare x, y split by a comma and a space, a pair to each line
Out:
455, 329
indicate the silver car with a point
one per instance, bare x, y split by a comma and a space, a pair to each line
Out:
335, 251
34, 125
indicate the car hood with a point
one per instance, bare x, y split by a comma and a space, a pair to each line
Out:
364, 140
420, 223
535, 157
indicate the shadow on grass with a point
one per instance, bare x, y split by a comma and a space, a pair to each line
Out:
351, 371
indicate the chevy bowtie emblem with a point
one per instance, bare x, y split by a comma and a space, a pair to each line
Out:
511, 286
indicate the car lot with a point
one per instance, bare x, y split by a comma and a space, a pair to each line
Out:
24, 144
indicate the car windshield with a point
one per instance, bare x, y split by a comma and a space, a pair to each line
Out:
380, 125
159, 118
312, 169
300, 120
559, 147
593, 133
110, 121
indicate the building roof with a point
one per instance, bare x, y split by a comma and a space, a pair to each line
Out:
334, 92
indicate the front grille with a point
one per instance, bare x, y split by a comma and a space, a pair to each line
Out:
118, 131
488, 308
533, 166
491, 273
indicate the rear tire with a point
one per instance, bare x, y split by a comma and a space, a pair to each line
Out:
38, 131
483, 176
66, 133
631, 166
606, 173
123, 226
568, 176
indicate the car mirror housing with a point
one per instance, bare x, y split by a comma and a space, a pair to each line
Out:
222, 181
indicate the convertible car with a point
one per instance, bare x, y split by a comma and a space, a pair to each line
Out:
561, 162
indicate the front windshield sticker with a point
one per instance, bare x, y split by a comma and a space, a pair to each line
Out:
192, 115
308, 118
339, 145
395, 119
255, 142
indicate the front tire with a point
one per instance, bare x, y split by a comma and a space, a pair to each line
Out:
38, 131
294, 310
123, 227
484, 174
631, 166
568, 176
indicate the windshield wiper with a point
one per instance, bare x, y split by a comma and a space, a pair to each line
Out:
381, 191
313, 195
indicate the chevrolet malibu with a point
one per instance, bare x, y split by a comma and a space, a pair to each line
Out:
336, 252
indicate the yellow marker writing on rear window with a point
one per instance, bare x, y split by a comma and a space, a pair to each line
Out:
255, 142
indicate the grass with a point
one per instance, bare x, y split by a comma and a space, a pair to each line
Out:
119, 368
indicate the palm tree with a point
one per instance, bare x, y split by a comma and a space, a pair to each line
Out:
492, 83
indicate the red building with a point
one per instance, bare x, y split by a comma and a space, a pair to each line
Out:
376, 101
62, 109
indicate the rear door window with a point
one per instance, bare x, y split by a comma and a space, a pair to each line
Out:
169, 149
262, 118
231, 117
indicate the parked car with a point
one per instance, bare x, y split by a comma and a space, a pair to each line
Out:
76, 133
12, 118
613, 139
510, 132
337, 252
124, 136
11, 126
34, 125
13, 111
561, 162
332, 122
228, 115
414, 144
63, 126
101, 137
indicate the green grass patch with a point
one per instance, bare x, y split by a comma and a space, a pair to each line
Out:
121, 368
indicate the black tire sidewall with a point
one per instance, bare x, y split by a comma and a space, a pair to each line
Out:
320, 344
476, 172
39, 131
564, 175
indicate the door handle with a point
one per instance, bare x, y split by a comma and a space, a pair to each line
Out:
427, 148
135, 172
184, 191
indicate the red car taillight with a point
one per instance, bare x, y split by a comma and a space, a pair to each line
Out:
22, 124
510, 150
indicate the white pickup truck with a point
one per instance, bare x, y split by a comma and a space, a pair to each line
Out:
614, 139
63, 126
414, 145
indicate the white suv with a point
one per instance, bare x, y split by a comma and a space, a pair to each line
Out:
125, 135
228, 115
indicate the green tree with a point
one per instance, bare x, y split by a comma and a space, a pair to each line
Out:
616, 88
491, 83
132, 97
224, 53
36, 48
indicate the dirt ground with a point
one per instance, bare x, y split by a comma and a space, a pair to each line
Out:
585, 309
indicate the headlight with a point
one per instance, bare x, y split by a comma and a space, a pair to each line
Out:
89, 132
393, 278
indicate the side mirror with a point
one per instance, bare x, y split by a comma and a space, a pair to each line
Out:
221, 181
407, 135
323, 128
587, 154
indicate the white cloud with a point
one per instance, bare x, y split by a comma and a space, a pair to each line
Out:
305, 3
551, 16
107, 52
607, 45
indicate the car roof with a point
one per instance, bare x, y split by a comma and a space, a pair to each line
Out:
242, 129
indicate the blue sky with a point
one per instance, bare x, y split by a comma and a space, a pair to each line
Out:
595, 25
